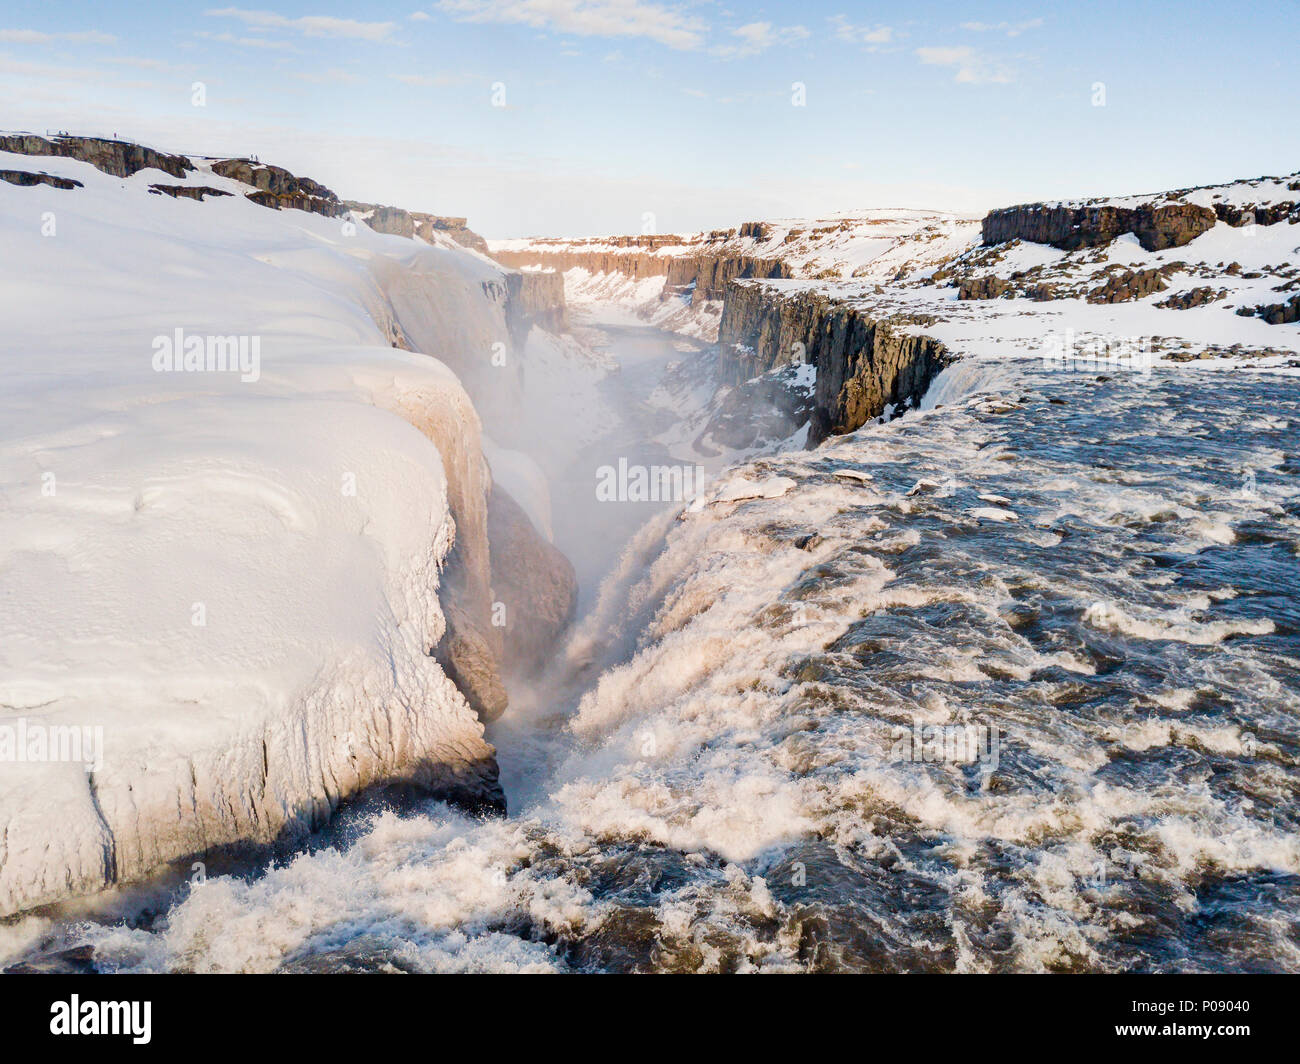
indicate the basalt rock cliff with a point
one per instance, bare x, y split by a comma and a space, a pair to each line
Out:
866, 363
1069, 228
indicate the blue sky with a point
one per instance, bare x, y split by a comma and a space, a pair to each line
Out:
616, 109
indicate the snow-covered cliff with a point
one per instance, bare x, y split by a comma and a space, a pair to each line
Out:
231, 503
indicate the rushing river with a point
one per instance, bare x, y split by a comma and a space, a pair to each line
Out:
1012, 683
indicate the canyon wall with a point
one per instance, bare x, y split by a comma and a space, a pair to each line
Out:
700, 267
865, 363
535, 297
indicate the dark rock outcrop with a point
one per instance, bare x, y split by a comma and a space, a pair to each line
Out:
28, 179
987, 287
194, 192
532, 581
279, 189
1194, 297
1168, 225
119, 158
865, 364
78, 960
391, 220
1237, 214
1275, 313
1122, 285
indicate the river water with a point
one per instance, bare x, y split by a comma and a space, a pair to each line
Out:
1008, 684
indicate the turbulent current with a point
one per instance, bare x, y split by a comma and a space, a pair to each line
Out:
1009, 683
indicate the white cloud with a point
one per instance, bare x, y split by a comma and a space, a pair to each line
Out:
37, 37
308, 25
872, 37
247, 42
143, 64
332, 76
587, 18
426, 81
420, 16
756, 37
971, 67
1011, 29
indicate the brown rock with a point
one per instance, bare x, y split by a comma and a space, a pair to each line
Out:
118, 158
27, 178
534, 582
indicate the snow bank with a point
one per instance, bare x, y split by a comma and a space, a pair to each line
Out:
227, 577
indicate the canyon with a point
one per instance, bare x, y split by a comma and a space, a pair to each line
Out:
366, 638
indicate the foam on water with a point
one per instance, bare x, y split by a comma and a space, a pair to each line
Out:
716, 776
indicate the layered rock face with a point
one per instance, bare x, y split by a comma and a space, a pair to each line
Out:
278, 188
535, 297
634, 256
694, 266
401, 222
707, 276
118, 158
534, 584
1069, 227
865, 364
1237, 215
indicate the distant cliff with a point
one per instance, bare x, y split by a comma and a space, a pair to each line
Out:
401, 222
1068, 228
1159, 221
698, 266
